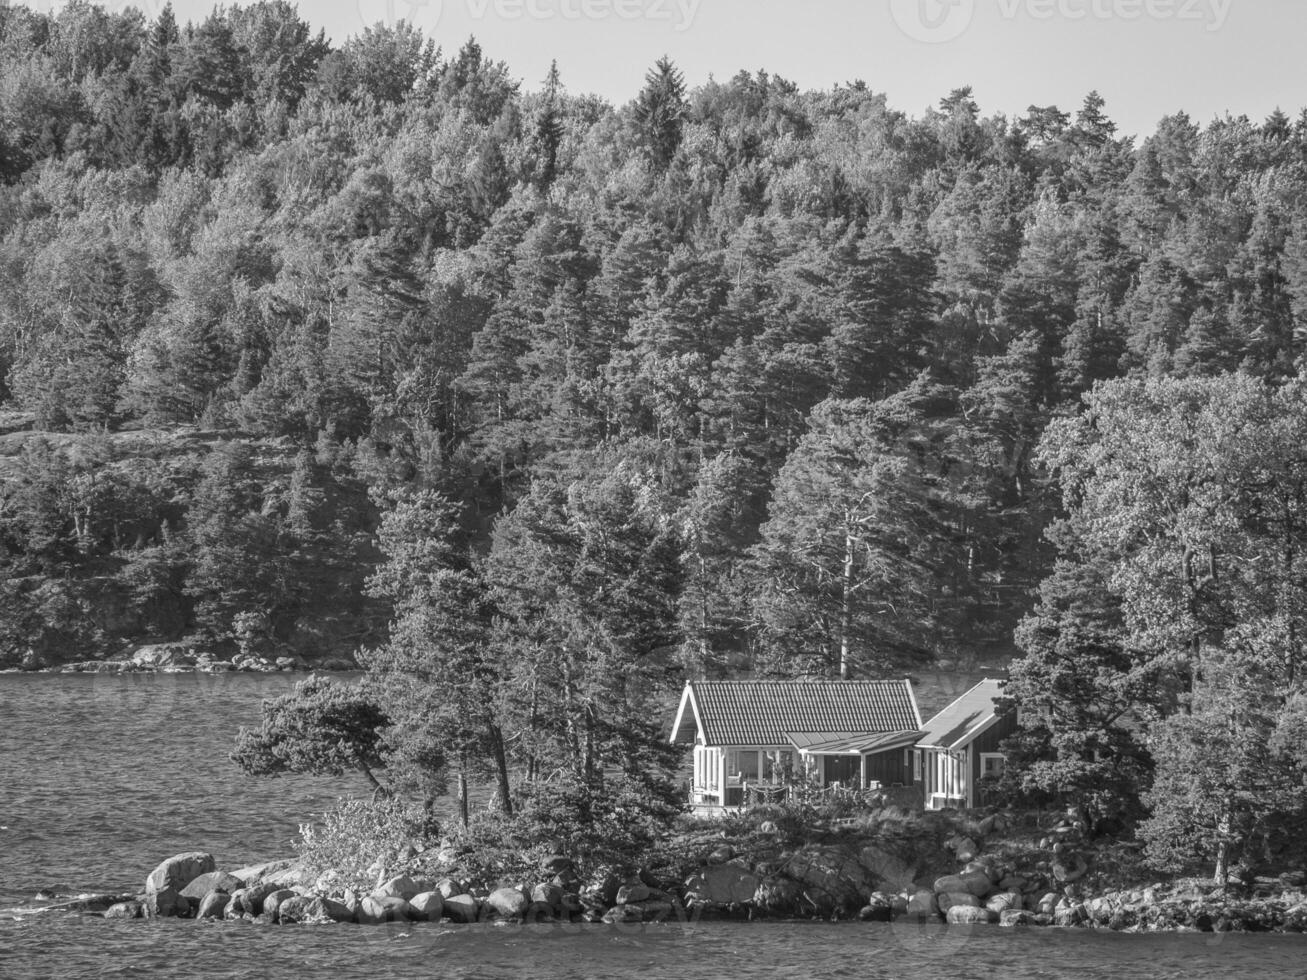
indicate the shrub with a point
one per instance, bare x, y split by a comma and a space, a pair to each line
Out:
361, 843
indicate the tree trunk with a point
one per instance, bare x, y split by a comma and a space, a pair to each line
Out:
501, 768
1222, 876
846, 606
462, 789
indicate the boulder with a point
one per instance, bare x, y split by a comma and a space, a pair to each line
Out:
1016, 919
249, 901
1069, 866
1047, 903
549, 896
1069, 915
253, 874
507, 903
722, 884
375, 910
402, 887
213, 905
1001, 902
293, 875
311, 909
923, 905
461, 908
832, 878
952, 900
632, 894
125, 910
656, 909
449, 887
621, 914
974, 882
427, 907
163, 888
879, 908
159, 655
964, 915
214, 881
274, 899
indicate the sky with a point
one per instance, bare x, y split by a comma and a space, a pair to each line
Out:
1148, 58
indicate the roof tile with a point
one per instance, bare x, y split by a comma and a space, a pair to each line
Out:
766, 712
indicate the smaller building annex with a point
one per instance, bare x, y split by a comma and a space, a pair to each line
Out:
960, 747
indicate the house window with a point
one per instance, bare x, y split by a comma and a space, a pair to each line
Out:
991, 765
745, 764
916, 765
776, 764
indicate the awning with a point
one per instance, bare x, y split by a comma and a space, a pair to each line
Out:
849, 743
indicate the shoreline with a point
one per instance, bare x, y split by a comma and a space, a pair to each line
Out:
845, 878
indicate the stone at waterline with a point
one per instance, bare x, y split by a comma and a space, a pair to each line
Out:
1004, 902
213, 905
656, 909
273, 900
550, 896
952, 900
163, 888
125, 910
972, 882
1015, 918
923, 905
965, 915
461, 908
722, 884
401, 887
833, 878
311, 909
375, 910
214, 881
507, 903
620, 914
427, 907
879, 908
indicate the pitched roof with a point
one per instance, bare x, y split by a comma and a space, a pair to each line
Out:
964, 719
769, 712
850, 743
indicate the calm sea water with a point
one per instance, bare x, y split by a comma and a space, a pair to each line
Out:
102, 777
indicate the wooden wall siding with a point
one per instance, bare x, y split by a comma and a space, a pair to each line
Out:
986, 742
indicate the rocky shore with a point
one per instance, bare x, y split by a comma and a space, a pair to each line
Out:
181, 658
1052, 884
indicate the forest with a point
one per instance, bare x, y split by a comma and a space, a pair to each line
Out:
567, 400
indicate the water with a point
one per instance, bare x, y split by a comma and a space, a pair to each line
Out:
102, 777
